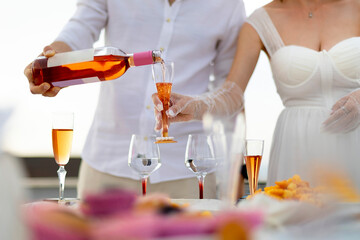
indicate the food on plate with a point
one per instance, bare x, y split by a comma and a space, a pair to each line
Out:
157, 202
337, 184
120, 214
293, 189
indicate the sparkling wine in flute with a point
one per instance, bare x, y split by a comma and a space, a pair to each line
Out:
253, 166
164, 91
253, 152
90, 65
62, 141
163, 75
62, 136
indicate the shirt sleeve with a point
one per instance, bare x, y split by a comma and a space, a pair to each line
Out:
84, 27
227, 45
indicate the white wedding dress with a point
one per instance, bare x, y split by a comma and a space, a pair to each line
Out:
309, 83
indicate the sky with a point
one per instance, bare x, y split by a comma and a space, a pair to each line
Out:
28, 26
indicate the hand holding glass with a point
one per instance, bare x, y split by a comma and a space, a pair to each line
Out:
253, 154
163, 75
62, 136
200, 157
144, 157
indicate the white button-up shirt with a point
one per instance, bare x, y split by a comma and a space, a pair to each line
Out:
192, 33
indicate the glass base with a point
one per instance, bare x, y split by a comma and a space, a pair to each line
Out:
165, 140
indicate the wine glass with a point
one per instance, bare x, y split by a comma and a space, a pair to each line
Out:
144, 157
200, 157
253, 152
62, 136
163, 74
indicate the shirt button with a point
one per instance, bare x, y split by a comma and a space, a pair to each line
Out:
148, 107
168, 20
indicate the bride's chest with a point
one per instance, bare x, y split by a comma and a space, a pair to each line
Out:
295, 65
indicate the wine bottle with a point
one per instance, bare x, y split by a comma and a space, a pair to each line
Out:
89, 65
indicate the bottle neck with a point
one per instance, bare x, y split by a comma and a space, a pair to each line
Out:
145, 58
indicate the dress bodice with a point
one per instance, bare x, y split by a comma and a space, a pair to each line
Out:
303, 76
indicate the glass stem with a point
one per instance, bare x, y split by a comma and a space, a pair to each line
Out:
143, 183
201, 179
61, 174
165, 123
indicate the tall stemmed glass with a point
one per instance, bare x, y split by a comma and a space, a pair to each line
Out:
200, 157
62, 136
163, 74
144, 157
253, 152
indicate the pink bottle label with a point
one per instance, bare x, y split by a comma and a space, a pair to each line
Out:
143, 58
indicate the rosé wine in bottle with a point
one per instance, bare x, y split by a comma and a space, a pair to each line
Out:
89, 65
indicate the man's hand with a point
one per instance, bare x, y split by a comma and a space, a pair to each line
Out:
45, 88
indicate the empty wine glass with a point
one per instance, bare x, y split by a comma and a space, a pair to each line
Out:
144, 157
163, 74
253, 152
62, 136
200, 157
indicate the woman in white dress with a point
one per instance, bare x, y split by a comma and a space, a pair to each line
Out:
314, 50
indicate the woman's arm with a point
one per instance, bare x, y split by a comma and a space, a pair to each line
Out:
226, 100
247, 54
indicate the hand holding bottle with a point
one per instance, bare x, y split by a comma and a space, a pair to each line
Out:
68, 68
45, 88
225, 101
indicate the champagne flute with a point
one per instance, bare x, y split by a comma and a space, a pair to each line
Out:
200, 157
253, 152
163, 75
144, 157
62, 136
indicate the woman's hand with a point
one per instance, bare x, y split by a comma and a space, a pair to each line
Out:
345, 115
45, 88
226, 101
181, 109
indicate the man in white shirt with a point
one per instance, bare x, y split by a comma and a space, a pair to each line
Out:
198, 36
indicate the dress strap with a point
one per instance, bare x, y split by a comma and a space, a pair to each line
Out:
261, 21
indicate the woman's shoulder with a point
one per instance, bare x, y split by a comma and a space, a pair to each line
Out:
270, 7
274, 6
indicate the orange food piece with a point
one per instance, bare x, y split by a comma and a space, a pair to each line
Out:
288, 194
278, 192
283, 184
233, 230
293, 188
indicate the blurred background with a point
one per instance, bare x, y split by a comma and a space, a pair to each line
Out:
28, 26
